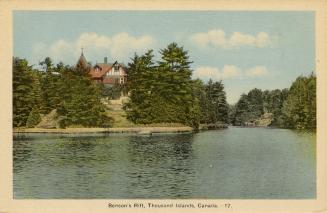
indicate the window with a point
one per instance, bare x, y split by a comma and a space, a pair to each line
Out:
116, 68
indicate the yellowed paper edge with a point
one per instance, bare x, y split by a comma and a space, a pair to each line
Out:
8, 204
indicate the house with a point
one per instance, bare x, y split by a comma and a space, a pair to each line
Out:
107, 73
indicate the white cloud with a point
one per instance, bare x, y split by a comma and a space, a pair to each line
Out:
119, 47
206, 72
218, 38
124, 44
228, 72
61, 50
256, 71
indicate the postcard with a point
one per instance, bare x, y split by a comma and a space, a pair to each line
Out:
155, 106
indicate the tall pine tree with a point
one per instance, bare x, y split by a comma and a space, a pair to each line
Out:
23, 92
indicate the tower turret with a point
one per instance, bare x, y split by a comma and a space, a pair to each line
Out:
82, 63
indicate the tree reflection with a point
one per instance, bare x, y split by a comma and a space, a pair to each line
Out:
161, 166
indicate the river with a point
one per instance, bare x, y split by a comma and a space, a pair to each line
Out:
235, 163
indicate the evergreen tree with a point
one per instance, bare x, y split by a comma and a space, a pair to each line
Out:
231, 114
36, 91
311, 118
114, 92
255, 101
293, 108
23, 91
299, 109
34, 118
274, 105
210, 108
163, 92
50, 87
216, 107
140, 83
219, 100
199, 89
241, 111
177, 90
81, 101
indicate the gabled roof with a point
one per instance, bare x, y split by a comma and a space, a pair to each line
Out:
104, 68
104, 64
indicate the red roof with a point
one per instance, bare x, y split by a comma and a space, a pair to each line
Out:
102, 70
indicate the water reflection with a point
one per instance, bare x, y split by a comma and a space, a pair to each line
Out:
240, 163
161, 165
21, 154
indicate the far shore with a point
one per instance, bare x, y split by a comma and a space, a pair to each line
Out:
137, 130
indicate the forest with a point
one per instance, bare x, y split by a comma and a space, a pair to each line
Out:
293, 108
160, 91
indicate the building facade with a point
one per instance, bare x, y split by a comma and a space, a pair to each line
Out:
109, 74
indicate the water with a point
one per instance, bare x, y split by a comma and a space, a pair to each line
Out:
236, 163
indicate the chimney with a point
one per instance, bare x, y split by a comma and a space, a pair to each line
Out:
105, 60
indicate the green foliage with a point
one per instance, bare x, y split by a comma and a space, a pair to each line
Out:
214, 106
70, 90
273, 103
253, 105
242, 111
231, 113
50, 82
25, 91
80, 101
114, 92
293, 108
34, 118
299, 109
255, 101
162, 93
140, 83
218, 100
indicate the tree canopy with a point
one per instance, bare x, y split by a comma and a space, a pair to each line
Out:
160, 91
164, 92
293, 108
68, 89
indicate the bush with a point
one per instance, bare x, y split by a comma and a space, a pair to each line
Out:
33, 118
105, 121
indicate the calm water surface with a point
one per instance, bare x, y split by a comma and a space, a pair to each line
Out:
236, 163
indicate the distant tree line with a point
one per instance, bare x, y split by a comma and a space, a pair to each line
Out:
293, 108
213, 102
69, 90
163, 91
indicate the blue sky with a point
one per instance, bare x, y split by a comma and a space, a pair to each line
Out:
266, 50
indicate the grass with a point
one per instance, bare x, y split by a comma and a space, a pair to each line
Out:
121, 125
115, 111
120, 120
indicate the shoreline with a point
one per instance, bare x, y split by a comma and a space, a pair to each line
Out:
137, 130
